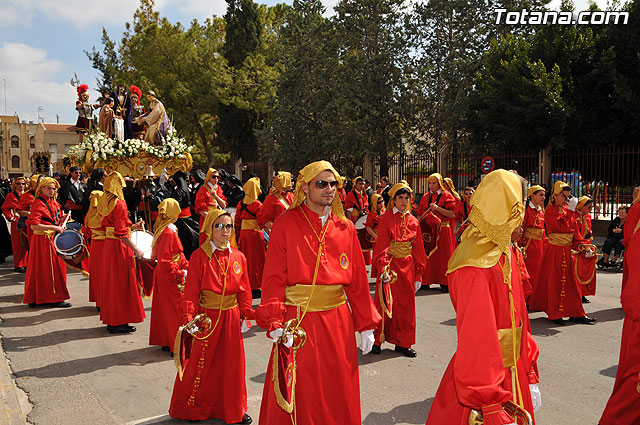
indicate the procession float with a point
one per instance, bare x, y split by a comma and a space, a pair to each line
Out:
126, 138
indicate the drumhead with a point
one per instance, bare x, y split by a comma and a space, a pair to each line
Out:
68, 243
360, 222
73, 225
143, 241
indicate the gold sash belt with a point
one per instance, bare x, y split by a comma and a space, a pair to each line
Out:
505, 337
111, 235
400, 249
44, 232
560, 239
325, 297
98, 235
249, 224
212, 300
533, 233
445, 223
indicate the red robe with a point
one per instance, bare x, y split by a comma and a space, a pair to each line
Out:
622, 407
373, 220
274, 205
356, 201
462, 215
46, 278
629, 241
436, 269
96, 264
213, 384
400, 329
204, 201
534, 248
476, 377
557, 292
585, 230
328, 361
121, 302
167, 297
26, 200
251, 240
19, 241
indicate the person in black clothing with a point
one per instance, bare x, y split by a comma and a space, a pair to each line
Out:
197, 180
95, 183
188, 228
72, 194
614, 238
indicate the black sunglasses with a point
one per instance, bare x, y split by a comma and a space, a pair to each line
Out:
220, 226
215, 176
322, 184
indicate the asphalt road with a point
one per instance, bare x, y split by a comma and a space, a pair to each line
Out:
74, 372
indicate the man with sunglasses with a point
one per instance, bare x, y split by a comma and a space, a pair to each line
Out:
314, 262
72, 194
19, 241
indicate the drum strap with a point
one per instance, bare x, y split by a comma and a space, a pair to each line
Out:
437, 198
466, 211
17, 196
245, 207
54, 218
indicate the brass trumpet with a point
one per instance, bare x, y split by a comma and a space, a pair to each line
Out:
392, 273
520, 415
299, 335
201, 322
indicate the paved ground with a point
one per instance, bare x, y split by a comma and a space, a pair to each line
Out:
74, 372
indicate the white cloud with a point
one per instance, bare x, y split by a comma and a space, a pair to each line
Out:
32, 81
580, 4
200, 9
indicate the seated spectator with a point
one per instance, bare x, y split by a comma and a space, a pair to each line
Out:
614, 238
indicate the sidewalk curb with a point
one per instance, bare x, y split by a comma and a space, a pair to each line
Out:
10, 410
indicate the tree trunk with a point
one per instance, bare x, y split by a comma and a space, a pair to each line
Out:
384, 163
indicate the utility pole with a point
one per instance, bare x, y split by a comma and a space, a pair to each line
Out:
5, 95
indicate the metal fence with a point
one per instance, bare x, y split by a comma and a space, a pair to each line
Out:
413, 168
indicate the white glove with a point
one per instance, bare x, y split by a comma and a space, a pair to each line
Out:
275, 335
184, 274
384, 277
573, 203
536, 397
589, 254
417, 286
366, 341
244, 327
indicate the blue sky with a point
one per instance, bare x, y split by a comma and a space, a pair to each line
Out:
42, 43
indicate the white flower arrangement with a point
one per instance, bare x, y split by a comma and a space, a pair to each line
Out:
104, 148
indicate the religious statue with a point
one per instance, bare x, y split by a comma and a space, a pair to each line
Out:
105, 121
122, 107
85, 111
156, 119
137, 110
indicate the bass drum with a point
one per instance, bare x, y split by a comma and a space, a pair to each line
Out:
69, 244
366, 241
143, 241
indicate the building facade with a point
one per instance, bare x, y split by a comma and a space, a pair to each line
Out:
20, 140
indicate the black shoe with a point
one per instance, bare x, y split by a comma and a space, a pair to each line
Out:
425, 287
20, 269
375, 349
407, 352
246, 419
444, 289
256, 293
98, 308
61, 304
585, 300
121, 329
586, 320
600, 262
3, 260
33, 305
559, 321
165, 348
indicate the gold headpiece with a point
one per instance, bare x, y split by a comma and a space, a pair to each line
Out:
307, 174
168, 210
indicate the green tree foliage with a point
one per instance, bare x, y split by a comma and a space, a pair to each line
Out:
298, 128
370, 47
517, 103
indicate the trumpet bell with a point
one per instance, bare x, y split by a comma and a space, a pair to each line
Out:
520, 415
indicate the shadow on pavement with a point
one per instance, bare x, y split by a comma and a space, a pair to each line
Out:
541, 326
450, 322
168, 420
608, 315
139, 357
610, 371
259, 378
412, 413
387, 353
56, 337
45, 314
15, 299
